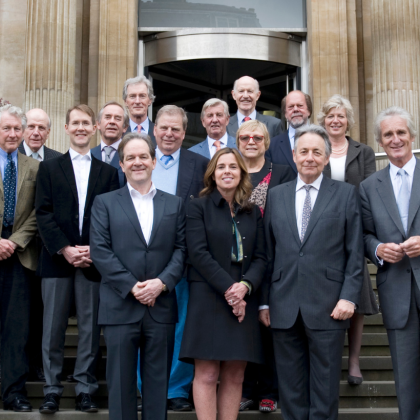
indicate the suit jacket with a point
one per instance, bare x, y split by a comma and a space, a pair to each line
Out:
382, 224
24, 226
313, 275
203, 147
360, 163
57, 211
273, 124
115, 162
150, 132
123, 257
280, 151
48, 153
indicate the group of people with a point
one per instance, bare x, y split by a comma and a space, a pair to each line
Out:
237, 265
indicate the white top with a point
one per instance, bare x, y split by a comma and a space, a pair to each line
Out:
29, 152
144, 126
212, 147
300, 197
291, 133
114, 147
81, 167
241, 117
338, 168
144, 209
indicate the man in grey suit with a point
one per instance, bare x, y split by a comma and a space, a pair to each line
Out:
215, 118
315, 250
138, 96
391, 221
246, 92
138, 245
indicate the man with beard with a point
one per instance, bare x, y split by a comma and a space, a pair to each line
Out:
113, 121
215, 118
297, 109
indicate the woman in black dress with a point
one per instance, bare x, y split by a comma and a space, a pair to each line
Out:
227, 262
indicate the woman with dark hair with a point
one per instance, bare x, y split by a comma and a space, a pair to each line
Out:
226, 257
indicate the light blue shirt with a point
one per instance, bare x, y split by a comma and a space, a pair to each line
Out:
3, 163
165, 177
291, 133
252, 115
144, 126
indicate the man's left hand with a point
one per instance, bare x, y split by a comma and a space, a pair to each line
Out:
150, 290
343, 310
411, 246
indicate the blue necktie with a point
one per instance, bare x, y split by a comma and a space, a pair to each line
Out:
166, 159
9, 185
306, 214
403, 200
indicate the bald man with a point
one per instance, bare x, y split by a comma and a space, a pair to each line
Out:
246, 92
35, 136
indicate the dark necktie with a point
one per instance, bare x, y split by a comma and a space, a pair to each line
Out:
9, 185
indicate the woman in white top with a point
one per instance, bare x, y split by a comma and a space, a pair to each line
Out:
351, 162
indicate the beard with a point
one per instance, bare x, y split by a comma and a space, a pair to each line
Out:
297, 122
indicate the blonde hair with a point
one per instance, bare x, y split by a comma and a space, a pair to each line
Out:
254, 125
337, 101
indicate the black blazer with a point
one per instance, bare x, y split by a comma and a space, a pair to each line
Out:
123, 258
360, 163
150, 133
57, 211
209, 240
280, 151
48, 153
115, 162
279, 174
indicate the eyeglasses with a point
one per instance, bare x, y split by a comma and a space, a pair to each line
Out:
246, 139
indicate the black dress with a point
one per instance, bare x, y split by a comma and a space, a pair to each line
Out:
212, 331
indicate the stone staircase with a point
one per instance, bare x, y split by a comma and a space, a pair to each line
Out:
375, 399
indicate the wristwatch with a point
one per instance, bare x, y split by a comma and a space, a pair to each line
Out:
164, 287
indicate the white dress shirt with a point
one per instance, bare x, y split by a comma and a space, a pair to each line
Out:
144, 126
212, 147
144, 209
338, 168
29, 152
252, 115
114, 147
291, 131
81, 167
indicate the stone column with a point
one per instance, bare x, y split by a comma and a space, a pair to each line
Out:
50, 62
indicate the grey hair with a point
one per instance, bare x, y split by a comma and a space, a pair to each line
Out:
136, 81
172, 110
136, 136
125, 110
255, 80
16, 111
337, 101
314, 129
214, 102
394, 111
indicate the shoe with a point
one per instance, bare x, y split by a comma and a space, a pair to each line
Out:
70, 378
85, 403
246, 405
50, 404
267, 406
354, 380
36, 374
179, 404
19, 404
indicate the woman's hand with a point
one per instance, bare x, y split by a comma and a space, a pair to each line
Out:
235, 293
239, 310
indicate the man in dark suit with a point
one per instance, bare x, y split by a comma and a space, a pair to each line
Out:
66, 188
18, 256
246, 92
34, 137
315, 249
297, 109
138, 96
215, 118
391, 222
179, 172
112, 121
138, 245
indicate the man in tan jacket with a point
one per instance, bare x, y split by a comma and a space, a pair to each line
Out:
18, 255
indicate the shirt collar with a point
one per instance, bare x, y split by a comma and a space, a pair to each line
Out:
174, 155
252, 115
223, 140
152, 191
316, 184
4, 154
75, 155
113, 145
144, 125
409, 167
29, 151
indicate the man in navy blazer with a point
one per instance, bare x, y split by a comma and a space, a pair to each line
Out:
138, 96
246, 92
215, 118
112, 124
297, 109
